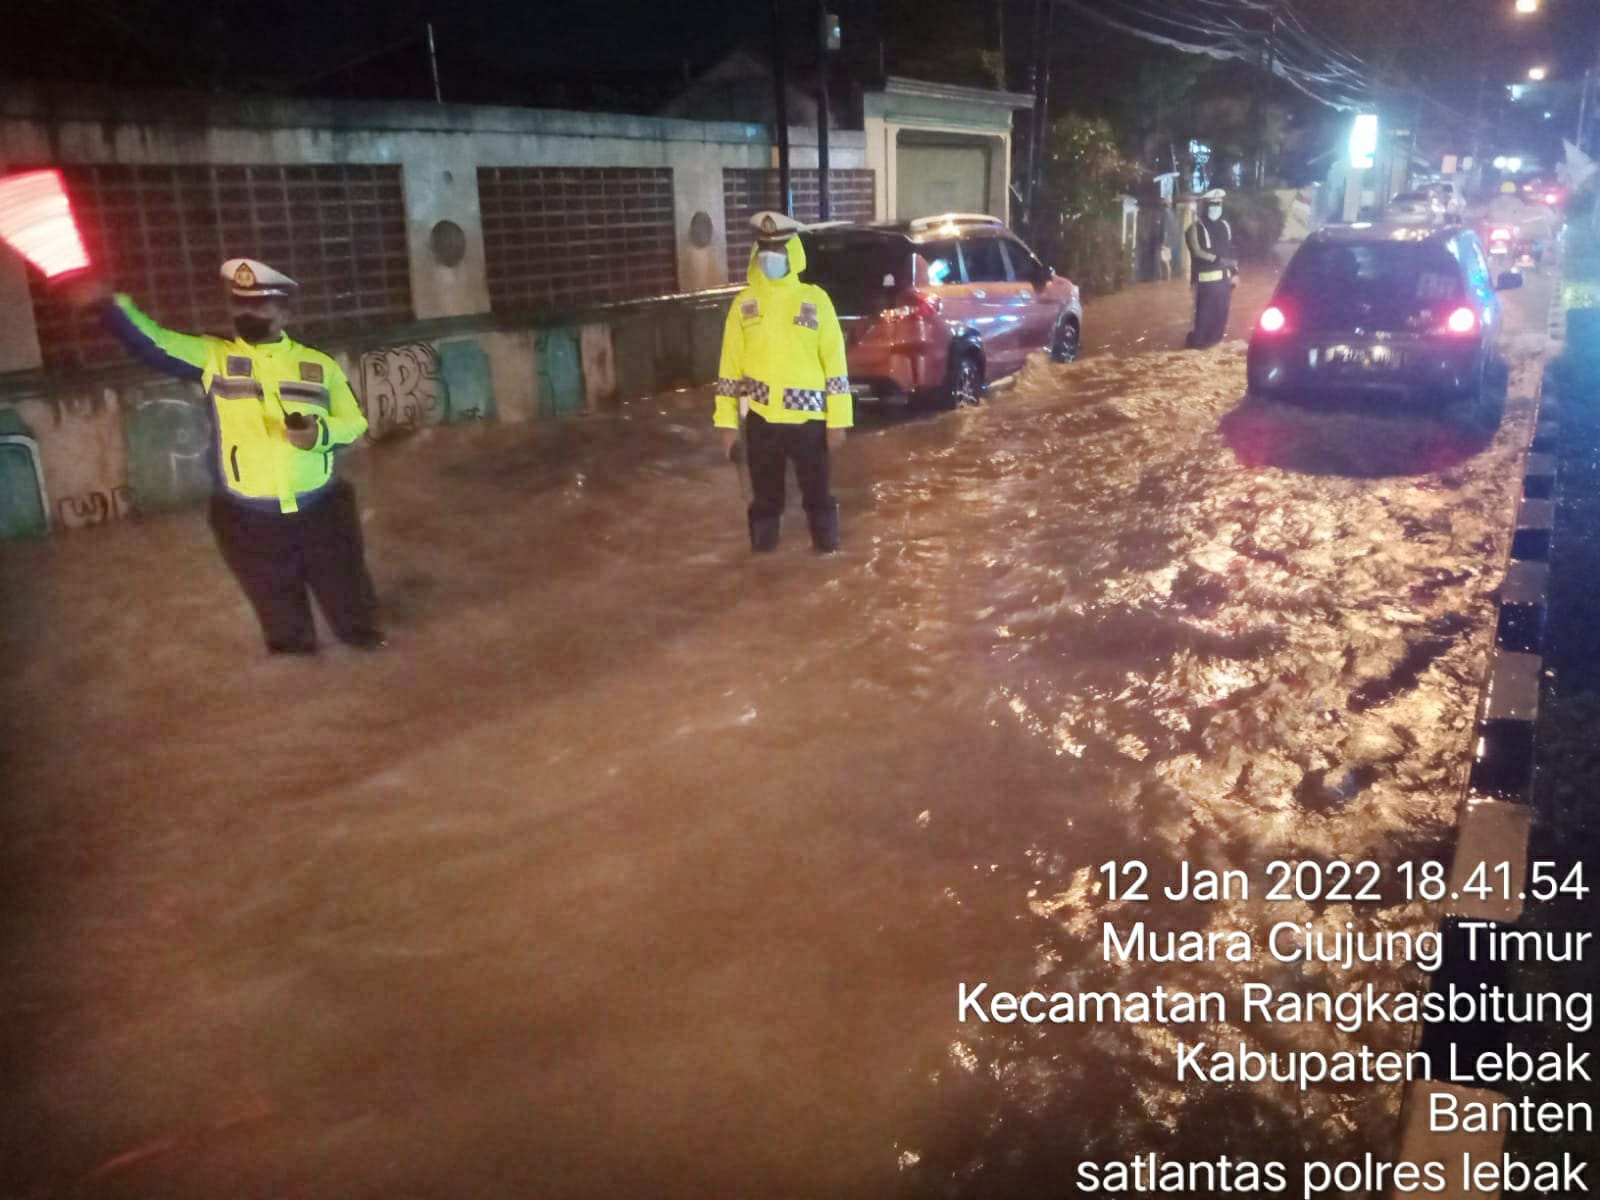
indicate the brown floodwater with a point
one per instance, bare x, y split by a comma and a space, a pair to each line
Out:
641, 867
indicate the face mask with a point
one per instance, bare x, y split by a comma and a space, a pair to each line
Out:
1214, 212
774, 264
252, 328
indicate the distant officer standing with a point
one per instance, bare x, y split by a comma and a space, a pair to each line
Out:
282, 517
783, 380
1212, 270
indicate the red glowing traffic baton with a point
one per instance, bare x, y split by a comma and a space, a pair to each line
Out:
36, 221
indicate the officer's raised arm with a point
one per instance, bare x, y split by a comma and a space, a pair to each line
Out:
180, 354
166, 350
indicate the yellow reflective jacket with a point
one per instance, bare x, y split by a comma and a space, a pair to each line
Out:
252, 388
1205, 254
783, 352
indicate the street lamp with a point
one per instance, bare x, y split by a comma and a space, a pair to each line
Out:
1537, 74
1527, 6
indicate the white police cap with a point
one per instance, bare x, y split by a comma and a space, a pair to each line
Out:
248, 278
1215, 195
774, 226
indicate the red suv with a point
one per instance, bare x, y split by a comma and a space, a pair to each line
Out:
935, 309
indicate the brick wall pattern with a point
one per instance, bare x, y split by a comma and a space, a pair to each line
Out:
160, 233
568, 235
747, 192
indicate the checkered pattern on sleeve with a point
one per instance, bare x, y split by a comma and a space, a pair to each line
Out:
836, 385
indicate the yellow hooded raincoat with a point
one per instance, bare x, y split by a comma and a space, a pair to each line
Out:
783, 352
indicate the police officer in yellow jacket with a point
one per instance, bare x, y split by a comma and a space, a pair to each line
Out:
283, 519
783, 380
1212, 270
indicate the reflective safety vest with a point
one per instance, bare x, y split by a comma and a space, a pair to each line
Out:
783, 352
252, 389
1209, 243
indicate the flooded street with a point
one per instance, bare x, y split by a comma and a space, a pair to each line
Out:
640, 867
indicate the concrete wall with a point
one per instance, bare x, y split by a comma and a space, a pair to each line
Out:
912, 106
439, 149
103, 446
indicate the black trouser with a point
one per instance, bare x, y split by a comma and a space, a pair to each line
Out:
769, 446
277, 556
1211, 301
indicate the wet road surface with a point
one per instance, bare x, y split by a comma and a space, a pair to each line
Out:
639, 867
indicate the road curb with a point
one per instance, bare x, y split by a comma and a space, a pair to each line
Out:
1496, 816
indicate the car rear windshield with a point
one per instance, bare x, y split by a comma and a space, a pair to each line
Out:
1381, 285
853, 270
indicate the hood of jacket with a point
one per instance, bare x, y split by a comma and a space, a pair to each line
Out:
797, 263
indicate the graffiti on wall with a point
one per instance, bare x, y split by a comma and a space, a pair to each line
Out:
22, 506
468, 381
83, 454
400, 388
96, 508
169, 444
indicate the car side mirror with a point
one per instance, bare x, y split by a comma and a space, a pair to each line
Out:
1043, 276
1508, 281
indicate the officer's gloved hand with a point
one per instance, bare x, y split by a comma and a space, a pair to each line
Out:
84, 289
303, 433
835, 438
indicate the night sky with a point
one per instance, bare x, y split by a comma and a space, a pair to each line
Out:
631, 55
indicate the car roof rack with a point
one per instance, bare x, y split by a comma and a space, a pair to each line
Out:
923, 224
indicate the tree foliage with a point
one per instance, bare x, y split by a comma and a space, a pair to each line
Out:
1083, 168
1076, 218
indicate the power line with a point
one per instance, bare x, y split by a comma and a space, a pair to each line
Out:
1221, 32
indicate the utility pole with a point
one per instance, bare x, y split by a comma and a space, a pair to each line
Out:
1583, 107
780, 108
826, 31
1268, 65
1477, 132
433, 63
1044, 16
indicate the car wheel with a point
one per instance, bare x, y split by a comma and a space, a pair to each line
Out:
965, 384
1064, 345
1480, 408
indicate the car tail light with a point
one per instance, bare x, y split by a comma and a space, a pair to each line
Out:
1463, 320
917, 302
1551, 198
1274, 320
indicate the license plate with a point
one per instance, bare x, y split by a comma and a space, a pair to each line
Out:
1359, 358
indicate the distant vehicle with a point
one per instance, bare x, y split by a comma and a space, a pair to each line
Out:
935, 309
1543, 190
1396, 312
1517, 231
1501, 242
1423, 205
1549, 193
